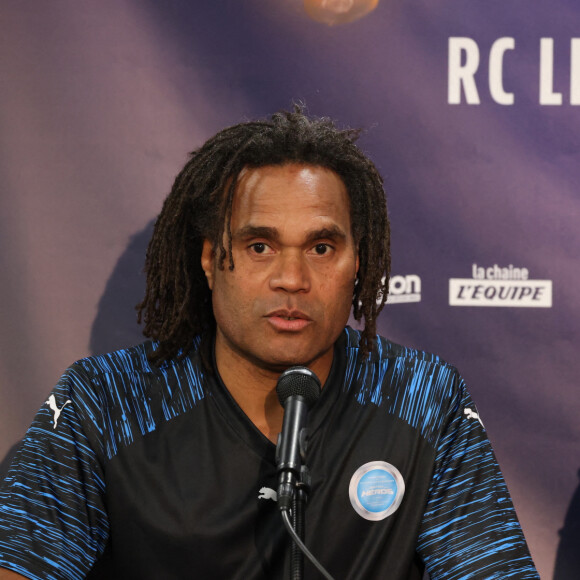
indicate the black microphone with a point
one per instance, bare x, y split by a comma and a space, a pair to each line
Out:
298, 389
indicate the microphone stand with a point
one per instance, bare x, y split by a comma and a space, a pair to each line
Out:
299, 523
298, 388
295, 568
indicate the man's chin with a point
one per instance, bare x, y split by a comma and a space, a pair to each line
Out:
279, 366
279, 362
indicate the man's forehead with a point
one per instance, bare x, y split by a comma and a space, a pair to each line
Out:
299, 197
307, 175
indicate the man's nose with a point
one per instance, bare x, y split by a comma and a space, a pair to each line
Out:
290, 272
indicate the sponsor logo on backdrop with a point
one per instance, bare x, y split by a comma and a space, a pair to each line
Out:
464, 60
500, 286
404, 289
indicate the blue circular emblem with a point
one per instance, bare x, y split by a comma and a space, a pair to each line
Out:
376, 490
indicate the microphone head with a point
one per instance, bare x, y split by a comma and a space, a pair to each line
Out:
298, 381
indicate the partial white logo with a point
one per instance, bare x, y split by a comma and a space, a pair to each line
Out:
463, 62
267, 493
52, 404
403, 289
376, 490
495, 286
471, 414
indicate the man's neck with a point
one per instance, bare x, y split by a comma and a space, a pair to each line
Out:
254, 388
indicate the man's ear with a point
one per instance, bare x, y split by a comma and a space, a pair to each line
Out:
207, 261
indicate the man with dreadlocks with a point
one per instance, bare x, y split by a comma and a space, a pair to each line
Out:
158, 461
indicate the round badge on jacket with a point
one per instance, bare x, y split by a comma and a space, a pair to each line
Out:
376, 490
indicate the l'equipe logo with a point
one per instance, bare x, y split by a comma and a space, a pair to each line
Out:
495, 286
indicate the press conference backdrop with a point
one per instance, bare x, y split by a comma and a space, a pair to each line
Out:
470, 109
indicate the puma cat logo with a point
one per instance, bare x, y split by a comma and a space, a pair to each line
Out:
52, 404
267, 493
470, 414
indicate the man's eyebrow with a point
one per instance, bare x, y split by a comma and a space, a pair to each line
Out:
250, 231
330, 233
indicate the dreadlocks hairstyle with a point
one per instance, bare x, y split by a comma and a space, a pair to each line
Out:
177, 304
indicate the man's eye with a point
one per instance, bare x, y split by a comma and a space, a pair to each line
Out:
259, 248
321, 249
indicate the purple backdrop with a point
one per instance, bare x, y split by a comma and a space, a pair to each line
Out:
101, 101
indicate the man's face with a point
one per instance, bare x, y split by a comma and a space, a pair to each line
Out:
289, 295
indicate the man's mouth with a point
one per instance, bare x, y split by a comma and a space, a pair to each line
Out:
285, 321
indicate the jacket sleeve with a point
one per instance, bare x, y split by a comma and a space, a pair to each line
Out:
470, 528
53, 523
